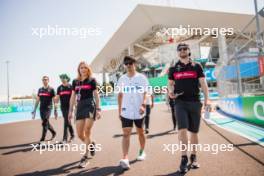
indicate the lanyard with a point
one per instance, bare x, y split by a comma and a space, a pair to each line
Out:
79, 91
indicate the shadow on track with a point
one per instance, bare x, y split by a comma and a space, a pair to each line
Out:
65, 169
103, 171
169, 132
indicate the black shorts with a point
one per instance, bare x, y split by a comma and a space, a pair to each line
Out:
85, 109
126, 123
188, 115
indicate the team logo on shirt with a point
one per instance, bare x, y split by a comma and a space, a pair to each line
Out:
44, 94
184, 75
83, 87
65, 92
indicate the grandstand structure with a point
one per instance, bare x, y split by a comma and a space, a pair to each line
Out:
233, 63
139, 35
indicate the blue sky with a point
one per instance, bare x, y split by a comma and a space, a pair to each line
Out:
31, 57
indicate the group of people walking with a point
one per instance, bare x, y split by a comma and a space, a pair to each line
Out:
134, 106
83, 93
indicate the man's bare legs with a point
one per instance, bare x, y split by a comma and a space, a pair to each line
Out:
126, 141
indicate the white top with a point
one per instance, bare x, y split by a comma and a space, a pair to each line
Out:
133, 89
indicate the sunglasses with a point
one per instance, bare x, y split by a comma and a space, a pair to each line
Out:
45, 79
128, 63
183, 48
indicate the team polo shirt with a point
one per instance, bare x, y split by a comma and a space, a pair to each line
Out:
45, 95
65, 95
133, 89
85, 88
186, 78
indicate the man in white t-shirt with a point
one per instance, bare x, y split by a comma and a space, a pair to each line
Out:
132, 88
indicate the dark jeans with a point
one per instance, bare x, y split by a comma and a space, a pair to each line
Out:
67, 124
173, 115
148, 110
45, 115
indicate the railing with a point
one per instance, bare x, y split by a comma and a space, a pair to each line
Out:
230, 89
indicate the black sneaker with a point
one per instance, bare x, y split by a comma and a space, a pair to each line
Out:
92, 149
84, 161
146, 131
53, 136
184, 166
71, 138
64, 141
41, 142
194, 163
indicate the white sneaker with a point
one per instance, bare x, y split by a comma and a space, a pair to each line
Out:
141, 156
63, 142
176, 130
124, 163
84, 162
41, 143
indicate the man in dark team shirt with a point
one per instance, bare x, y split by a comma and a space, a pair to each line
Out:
185, 78
64, 95
45, 96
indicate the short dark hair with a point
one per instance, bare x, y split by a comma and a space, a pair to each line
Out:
43, 77
180, 45
129, 59
65, 76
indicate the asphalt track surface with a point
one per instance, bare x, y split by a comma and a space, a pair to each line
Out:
17, 157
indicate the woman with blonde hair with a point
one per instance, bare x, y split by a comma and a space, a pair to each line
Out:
84, 91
